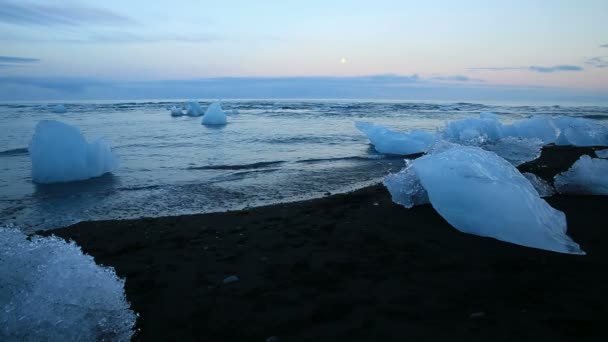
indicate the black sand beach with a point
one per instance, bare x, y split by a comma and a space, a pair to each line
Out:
356, 267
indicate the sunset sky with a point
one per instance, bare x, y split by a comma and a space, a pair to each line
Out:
61, 48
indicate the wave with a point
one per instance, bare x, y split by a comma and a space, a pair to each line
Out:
258, 165
14, 152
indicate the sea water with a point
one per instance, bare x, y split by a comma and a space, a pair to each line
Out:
270, 152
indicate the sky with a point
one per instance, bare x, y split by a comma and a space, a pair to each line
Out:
445, 50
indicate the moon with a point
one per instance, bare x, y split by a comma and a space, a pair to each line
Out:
343, 60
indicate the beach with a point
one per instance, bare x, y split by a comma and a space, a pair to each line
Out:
355, 267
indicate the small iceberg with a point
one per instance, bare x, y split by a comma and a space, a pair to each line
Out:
193, 108
588, 176
392, 142
602, 154
175, 112
51, 291
214, 116
60, 153
479, 193
59, 109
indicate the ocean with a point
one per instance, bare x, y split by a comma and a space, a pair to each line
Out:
270, 152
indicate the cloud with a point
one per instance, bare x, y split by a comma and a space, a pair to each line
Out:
11, 59
534, 68
557, 68
598, 62
26, 13
604, 45
456, 78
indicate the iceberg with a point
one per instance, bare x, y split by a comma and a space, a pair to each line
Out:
581, 132
59, 109
214, 115
193, 108
176, 111
479, 193
587, 176
602, 154
474, 131
51, 291
391, 142
516, 150
537, 127
405, 187
59, 153
543, 188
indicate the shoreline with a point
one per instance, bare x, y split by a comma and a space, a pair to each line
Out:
355, 266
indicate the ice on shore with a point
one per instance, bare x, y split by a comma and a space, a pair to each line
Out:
405, 187
51, 291
601, 153
59, 109
587, 176
480, 193
193, 108
516, 150
176, 111
581, 132
392, 142
60, 153
214, 115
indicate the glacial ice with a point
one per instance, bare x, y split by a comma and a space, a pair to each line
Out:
405, 187
480, 193
176, 111
391, 142
59, 109
51, 291
543, 188
474, 131
193, 108
602, 154
588, 176
60, 153
537, 127
516, 150
214, 115
581, 132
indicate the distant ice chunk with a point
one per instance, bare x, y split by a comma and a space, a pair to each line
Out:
193, 108
602, 153
516, 150
543, 188
60, 153
59, 109
581, 132
51, 291
392, 142
588, 176
234, 111
474, 131
480, 193
405, 187
537, 127
176, 111
214, 115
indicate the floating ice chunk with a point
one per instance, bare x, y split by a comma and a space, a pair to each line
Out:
602, 153
59, 109
51, 291
474, 131
537, 127
391, 142
480, 193
176, 111
405, 187
581, 132
587, 176
60, 153
234, 111
516, 150
214, 115
193, 108
542, 187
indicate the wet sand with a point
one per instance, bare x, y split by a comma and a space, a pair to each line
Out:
356, 267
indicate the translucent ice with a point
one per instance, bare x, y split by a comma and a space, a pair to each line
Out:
602, 153
214, 115
405, 187
537, 127
193, 109
59, 109
587, 176
480, 193
581, 132
474, 131
51, 291
176, 111
516, 150
543, 188
60, 153
391, 142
